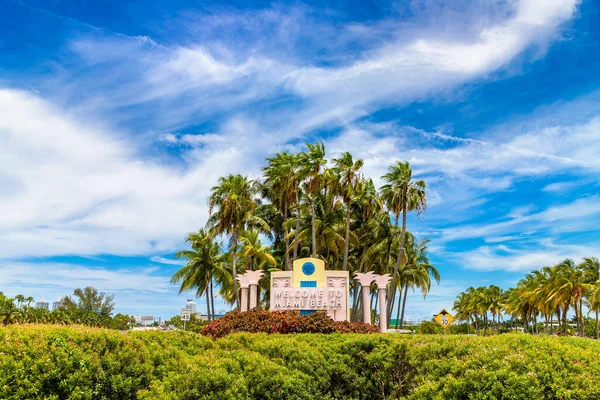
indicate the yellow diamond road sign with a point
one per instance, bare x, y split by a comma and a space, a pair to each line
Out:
444, 318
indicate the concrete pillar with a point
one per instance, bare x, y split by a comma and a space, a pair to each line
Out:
365, 281
382, 310
253, 296
244, 299
244, 283
253, 278
382, 282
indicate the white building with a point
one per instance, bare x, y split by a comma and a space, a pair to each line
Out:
57, 304
42, 304
191, 305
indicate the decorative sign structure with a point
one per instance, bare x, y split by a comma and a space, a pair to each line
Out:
309, 287
444, 319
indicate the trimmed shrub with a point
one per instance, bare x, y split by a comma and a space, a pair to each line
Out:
50, 362
283, 322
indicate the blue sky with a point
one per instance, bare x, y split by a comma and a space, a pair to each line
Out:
116, 118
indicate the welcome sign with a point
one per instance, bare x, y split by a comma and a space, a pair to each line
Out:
309, 287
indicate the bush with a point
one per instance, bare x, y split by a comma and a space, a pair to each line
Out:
50, 362
283, 322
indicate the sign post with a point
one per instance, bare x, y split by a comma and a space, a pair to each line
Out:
185, 316
444, 319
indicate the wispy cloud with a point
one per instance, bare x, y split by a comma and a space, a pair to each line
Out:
168, 261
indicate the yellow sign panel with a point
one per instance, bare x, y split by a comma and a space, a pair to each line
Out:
444, 319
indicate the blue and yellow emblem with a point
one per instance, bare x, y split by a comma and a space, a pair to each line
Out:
309, 272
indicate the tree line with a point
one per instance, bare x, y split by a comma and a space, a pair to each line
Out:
546, 295
307, 206
86, 306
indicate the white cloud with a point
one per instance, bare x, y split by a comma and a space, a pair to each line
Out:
168, 261
76, 188
529, 258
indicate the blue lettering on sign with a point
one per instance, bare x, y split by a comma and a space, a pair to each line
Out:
308, 268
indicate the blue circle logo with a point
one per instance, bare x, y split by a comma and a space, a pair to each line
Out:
308, 268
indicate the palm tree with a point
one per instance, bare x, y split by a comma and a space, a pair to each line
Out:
234, 198
417, 271
204, 260
282, 188
567, 287
254, 252
594, 303
401, 194
312, 162
349, 175
590, 267
9, 312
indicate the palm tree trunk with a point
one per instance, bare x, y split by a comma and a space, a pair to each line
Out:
376, 300
597, 333
355, 303
485, 326
212, 299
347, 244
392, 293
288, 264
207, 302
313, 223
398, 313
403, 306
234, 268
581, 315
297, 232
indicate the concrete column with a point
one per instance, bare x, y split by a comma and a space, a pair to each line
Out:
382, 310
244, 299
244, 283
253, 296
253, 278
382, 282
365, 281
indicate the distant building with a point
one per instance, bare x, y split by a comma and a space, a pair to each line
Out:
191, 304
57, 304
42, 304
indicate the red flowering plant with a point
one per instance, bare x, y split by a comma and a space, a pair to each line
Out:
283, 322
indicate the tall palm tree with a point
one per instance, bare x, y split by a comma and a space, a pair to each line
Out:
400, 195
312, 163
590, 268
204, 261
349, 176
594, 303
234, 199
568, 287
417, 271
282, 188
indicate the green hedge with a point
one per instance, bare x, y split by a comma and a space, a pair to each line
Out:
86, 363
